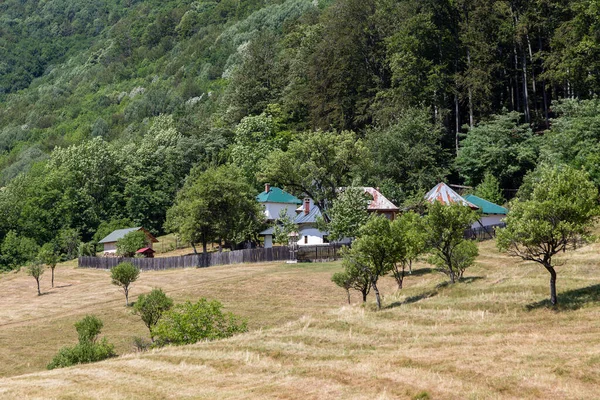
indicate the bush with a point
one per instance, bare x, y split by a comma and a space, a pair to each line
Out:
191, 322
132, 242
88, 329
88, 349
82, 353
151, 307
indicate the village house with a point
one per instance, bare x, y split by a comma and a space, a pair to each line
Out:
308, 213
275, 200
110, 241
490, 214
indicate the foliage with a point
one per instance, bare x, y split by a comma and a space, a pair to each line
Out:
36, 270
88, 328
132, 242
316, 164
48, 255
557, 216
574, 137
411, 240
445, 226
214, 205
88, 349
189, 323
374, 253
503, 147
17, 251
283, 227
407, 156
123, 275
151, 307
489, 189
347, 214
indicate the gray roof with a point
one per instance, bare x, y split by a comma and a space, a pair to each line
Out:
309, 218
118, 234
268, 231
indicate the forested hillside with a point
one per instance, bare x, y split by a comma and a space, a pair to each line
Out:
106, 106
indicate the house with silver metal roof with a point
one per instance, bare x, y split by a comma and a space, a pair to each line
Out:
110, 241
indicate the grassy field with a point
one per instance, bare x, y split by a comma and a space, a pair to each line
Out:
491, 336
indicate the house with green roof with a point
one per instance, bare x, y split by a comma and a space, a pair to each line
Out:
275, 200
491, 214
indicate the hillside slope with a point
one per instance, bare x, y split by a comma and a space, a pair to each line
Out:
488, 337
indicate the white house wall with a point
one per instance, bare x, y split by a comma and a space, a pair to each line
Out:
272, 210
313, 236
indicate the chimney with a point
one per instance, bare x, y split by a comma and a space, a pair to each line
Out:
267, 187
306, 206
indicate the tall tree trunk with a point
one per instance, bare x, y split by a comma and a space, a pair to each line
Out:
348, 293
470, 91
204, 249
525, 90
126, 296
553, 297
364, 295
377, 297
38, 286
53, 275
452, 276
194, 247
457, 118
544, 94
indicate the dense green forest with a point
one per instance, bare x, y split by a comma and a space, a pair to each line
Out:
107, 105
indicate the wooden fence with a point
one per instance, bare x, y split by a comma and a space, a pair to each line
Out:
277, 253
323, 252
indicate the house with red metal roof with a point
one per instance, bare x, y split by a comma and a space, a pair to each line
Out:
445, 195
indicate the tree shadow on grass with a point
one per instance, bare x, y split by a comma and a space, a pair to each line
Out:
570, 300
62, 286
413, 299
420, 271
471, 279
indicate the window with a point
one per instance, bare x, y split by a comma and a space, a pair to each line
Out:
305, 239
325, 239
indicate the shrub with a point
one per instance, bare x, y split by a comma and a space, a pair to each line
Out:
132, 242
151, 307
88, 329
82, 353
124, 275
191, 322
88, 349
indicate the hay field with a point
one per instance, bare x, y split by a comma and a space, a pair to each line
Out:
490, 337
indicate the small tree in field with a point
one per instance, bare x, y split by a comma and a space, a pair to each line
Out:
49, 256
151, 307
410, 237
36, 270
445, 226
353, 277
374, 253
124, 275
132, 242
553, 218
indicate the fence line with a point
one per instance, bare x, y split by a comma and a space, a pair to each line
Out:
276, 253
483, 232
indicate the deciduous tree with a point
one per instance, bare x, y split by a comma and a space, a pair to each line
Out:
554, 217
445, 226
124, 275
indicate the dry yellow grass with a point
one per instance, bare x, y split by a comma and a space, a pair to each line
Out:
485, 338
